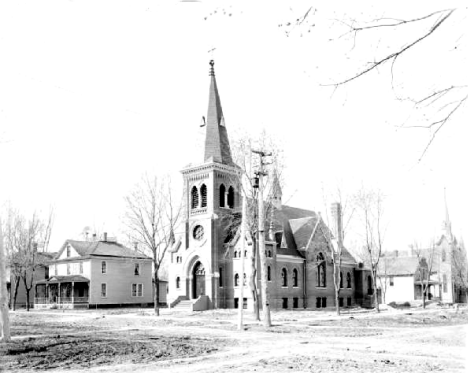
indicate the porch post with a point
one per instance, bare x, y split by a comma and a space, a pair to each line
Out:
73, 292
59, 293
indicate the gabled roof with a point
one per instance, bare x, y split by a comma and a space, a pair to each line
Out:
397, 266
101, 248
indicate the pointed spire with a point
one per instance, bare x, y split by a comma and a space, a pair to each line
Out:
217, 147
277, 193
447, 224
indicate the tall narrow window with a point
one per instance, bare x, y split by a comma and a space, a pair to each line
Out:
284, 277
245, 279
348, 280
194, 197
68, 251
444, 283
136, 270
341, 280
321, 271
236, 279
103, 290
103, 267
295, 282
222, 195
230, 197
269, 273
220, 277
444, 257
203, 194
177, 283
370, 291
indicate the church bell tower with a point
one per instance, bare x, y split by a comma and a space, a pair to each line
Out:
211, 190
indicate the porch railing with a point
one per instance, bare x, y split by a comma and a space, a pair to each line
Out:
60, 300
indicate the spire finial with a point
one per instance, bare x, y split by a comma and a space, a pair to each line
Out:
212, 68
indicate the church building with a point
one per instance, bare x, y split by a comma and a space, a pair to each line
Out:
205, 267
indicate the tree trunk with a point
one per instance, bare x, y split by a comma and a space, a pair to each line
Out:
5, 320
28, 291
337, 282
253, 281
156, 291
15, 293
374, 287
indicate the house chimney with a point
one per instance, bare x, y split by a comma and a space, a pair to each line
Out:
337, 222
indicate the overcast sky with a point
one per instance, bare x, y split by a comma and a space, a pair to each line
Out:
94, 93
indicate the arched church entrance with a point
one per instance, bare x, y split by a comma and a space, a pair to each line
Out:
198, 280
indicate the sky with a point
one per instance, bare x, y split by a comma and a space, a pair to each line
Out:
95, 93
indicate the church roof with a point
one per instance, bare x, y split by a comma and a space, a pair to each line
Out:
217, 147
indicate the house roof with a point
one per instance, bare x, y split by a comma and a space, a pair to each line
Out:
396, 266
61, 279
101, 248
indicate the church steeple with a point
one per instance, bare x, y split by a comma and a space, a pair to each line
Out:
447, 224
217, 147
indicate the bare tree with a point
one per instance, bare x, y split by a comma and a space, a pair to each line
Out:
426, 260
5, 317
370, 210
460, 269
22, 238
249, 165
151, 218
434, 101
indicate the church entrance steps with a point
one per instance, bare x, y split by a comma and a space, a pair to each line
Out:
184, 305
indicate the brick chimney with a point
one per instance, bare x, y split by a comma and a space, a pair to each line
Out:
337, 227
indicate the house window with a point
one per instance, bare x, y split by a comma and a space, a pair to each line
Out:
177, 283
391, 280
341, 301
103, 290
236, 279
137, 290
269, 273
136, 270
284, 277
220, 277
244, 303
222, 195
245, 279
230, 197
285, 303
68, 251
348, 280
269, 254
444, 257
81, 267
245, 254
68, 269
103, 267
295, 278
203, 194
348, 301
235, 254
370, 291
236, 303
444, 283
341, 280
321, 274
46, 273
295, 302
194, 197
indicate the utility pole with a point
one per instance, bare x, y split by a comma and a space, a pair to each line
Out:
240, 325
5, 321
261, 239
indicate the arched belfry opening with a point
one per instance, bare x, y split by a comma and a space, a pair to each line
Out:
198, 280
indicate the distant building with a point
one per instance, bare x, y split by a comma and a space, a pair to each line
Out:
206, 260
399, 275
96, 274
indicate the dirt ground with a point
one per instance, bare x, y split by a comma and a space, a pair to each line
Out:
133, 340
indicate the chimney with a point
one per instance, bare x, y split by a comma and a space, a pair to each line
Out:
337, 222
